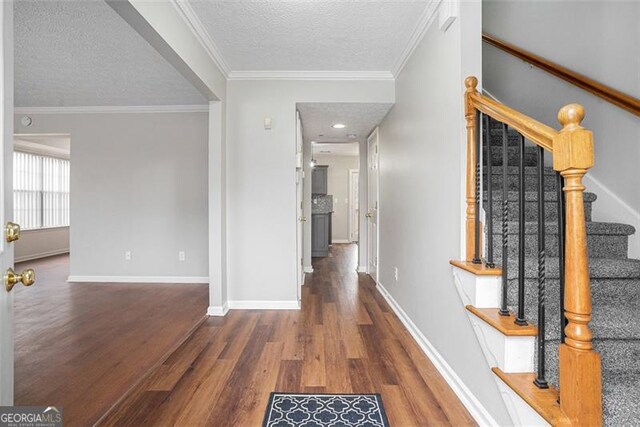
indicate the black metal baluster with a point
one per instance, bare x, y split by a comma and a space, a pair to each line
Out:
476, 248
520, 320
561, 240
487, 141
504, 310
540, 381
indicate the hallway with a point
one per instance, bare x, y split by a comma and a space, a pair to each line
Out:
345, 339
82, 345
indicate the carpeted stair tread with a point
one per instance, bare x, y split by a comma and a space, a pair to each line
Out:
551, 226
532, 196
621, 374
600, 268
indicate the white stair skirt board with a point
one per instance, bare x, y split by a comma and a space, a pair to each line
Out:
139, 279
218, 310
478, 291
468, 399
264, 305
510, 354
521, 413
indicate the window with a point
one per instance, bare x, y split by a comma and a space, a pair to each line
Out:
40, 191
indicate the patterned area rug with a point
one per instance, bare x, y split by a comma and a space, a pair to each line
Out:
319, 410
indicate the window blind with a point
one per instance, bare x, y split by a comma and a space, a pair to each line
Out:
40, 191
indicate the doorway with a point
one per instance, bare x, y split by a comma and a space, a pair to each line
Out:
372, 204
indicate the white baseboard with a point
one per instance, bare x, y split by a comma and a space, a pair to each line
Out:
264, 305
362, 269
308, 269
340, 241
139, 279
468, 399
218, 310
611, 208
41, 255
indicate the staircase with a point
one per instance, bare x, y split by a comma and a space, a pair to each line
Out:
615, 280
565, 290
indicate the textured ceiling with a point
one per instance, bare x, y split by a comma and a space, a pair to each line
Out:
315, 35
360, 119
81, 53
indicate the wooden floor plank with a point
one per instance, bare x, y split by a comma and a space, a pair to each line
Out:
345, 339
81, 346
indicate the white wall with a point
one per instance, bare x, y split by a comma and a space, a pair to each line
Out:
261, 200
34, 244
139, 184
338, 187
600, 39
422, 143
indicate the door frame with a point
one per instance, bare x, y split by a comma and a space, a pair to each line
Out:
375, 135
300, 219
354, 208
6, 209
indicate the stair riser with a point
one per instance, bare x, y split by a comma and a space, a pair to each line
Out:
513, 155
531, 210
530, 182
598, 246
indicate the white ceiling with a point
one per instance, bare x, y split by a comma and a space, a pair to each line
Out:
316, 35
335, 149
81, 53
360, 119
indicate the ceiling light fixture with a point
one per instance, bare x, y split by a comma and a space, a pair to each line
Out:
338, 126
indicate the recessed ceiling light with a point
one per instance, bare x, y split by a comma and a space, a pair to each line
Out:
313, 142
338, 126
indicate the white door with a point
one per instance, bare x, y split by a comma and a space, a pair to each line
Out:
299, 211
372, 211
6, 201
354, 203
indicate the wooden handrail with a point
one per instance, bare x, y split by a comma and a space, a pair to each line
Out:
615, 97
580, 374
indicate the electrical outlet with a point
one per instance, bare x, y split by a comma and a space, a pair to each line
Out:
127, 256
395, 273
181, 256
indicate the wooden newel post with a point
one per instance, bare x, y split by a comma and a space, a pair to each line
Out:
471, 84
580, 366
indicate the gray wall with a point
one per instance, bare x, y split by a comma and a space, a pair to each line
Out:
422, 155
600, 39
338, 187
41, 243
261, 186
139, 184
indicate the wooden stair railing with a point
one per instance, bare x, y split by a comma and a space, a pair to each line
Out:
615, 97
571, 148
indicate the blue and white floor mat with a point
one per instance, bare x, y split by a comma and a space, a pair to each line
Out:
325, 410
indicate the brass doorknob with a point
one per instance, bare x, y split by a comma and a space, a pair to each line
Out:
368, 215
28, 278
303, 219
11, 231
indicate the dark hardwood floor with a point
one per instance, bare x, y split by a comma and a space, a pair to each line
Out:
345, 339
82, 346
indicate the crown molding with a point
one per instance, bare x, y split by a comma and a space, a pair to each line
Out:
426, 18
114, 109
197, 28
311, 75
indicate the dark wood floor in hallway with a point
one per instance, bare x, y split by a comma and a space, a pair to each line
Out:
345, 339
83, 345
